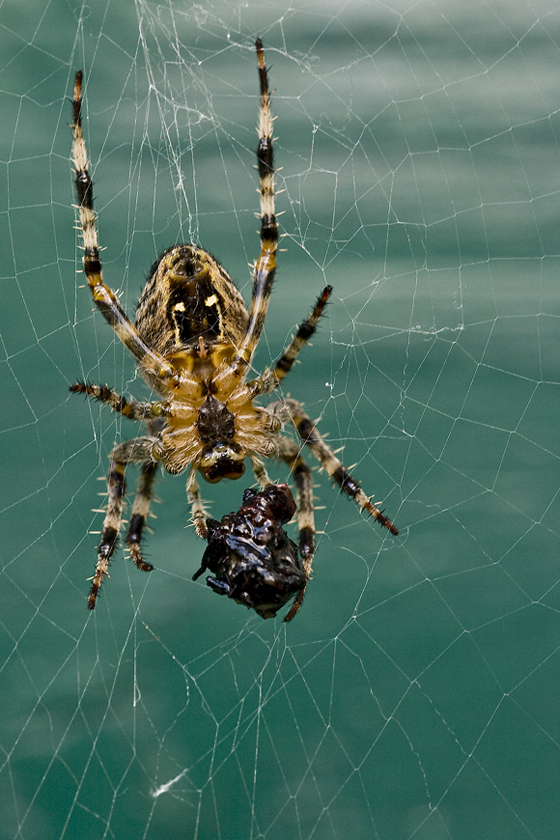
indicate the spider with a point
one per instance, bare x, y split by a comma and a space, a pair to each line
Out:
194, 341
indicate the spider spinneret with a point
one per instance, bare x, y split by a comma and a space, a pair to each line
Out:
194, 341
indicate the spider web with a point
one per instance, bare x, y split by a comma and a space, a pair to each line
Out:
416, 693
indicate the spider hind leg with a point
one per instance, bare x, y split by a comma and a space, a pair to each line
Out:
135, 451
289, 452
139, 515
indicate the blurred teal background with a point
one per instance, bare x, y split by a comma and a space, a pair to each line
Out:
417, 694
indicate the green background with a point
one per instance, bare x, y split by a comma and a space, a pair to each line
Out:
417, 693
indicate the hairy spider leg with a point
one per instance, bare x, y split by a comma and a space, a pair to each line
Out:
139, 514
136, 451
265, 266
288, 449
159, 372
271, 378
290, 452
132, 409
305, 330
196, 503
308, 433
260, 471
154, 365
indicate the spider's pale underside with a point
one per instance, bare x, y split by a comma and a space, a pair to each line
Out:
194, 341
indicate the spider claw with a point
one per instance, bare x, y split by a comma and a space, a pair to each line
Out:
385, 522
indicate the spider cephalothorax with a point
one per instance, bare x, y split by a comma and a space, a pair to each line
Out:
194, 341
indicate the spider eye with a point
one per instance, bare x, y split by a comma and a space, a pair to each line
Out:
222, 460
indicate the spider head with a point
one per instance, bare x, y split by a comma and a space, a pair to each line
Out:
222, 460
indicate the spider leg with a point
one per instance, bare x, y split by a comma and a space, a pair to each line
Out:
133, 409
271, 379
137, 450
302, 336
139, 514
303, 479
152, 363
265, 266
260, 471
311, 437
197, 506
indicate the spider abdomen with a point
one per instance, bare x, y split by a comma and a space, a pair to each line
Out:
189, 298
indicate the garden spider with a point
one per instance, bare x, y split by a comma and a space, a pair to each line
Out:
194, 341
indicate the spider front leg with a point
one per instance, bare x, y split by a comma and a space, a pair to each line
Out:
136, 451
265, 266
324, 454
154, 365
